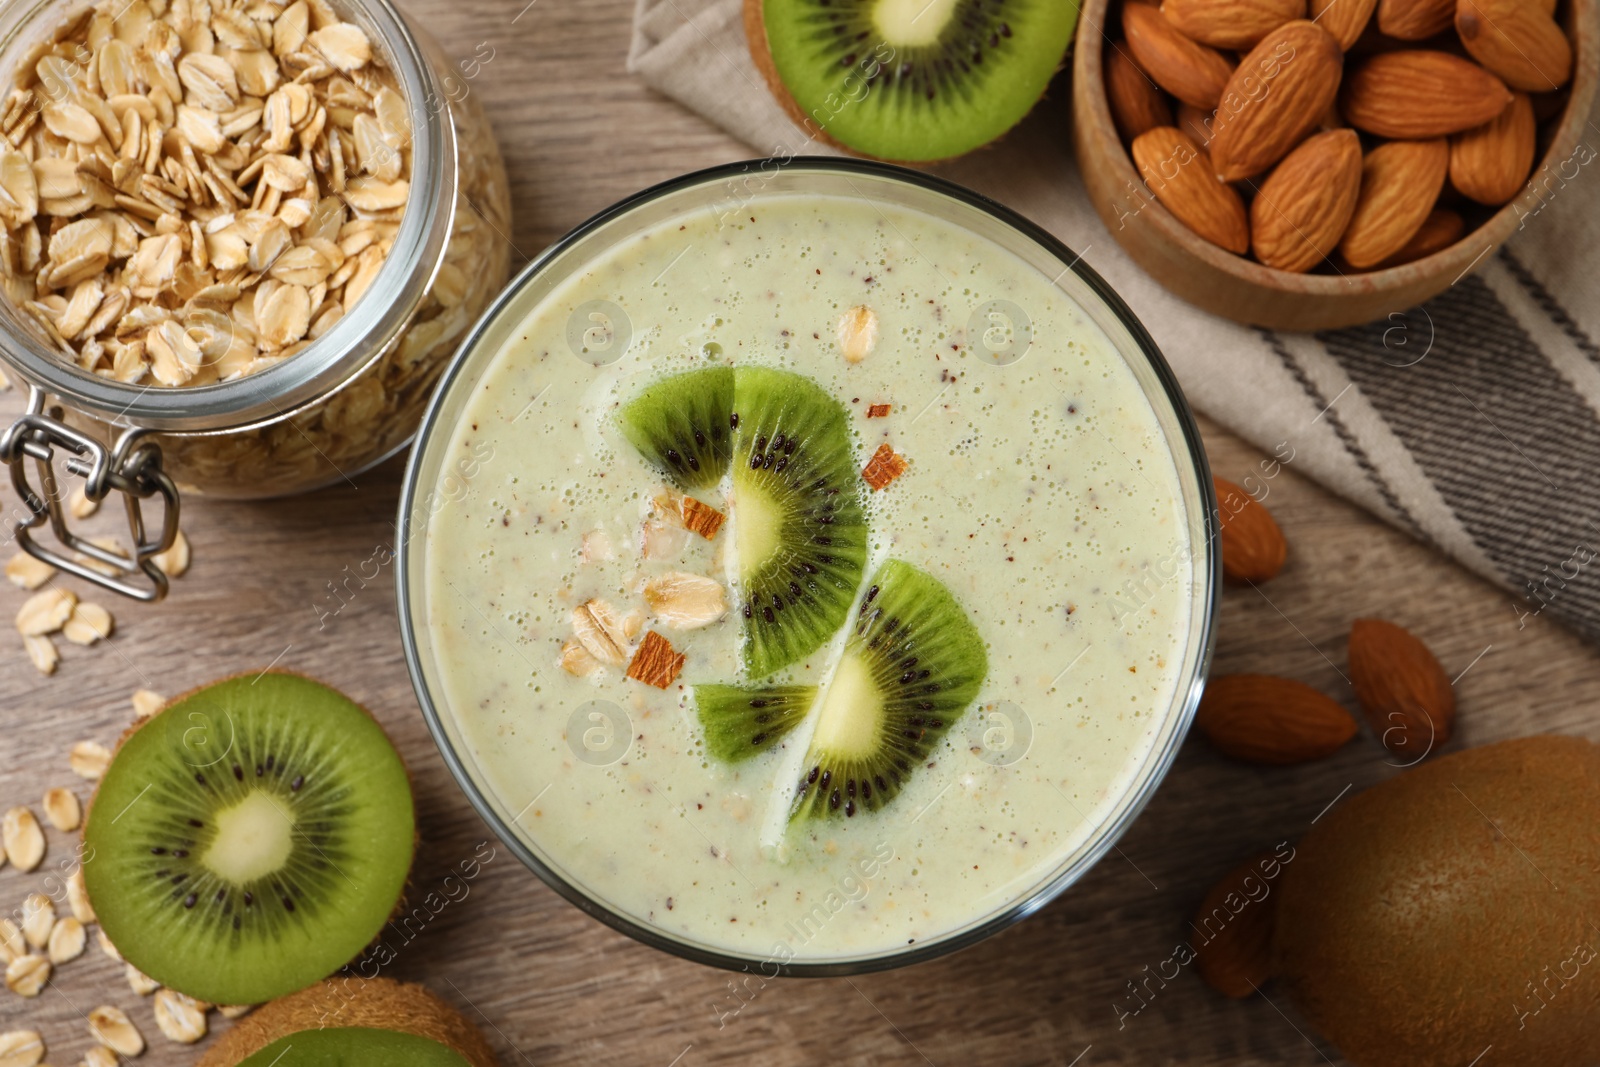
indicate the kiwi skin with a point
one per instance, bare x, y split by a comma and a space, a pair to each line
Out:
1410, 926
400, 903
378, 1003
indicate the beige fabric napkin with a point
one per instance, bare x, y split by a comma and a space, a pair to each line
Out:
1469, 422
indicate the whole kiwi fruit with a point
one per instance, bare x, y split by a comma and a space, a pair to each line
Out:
353, 1021
1453, 910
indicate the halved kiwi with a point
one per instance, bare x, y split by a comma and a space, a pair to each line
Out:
353, 1022
800, 531
911, 668
680, 424
249, 839
909, 80
797, 513
741, 722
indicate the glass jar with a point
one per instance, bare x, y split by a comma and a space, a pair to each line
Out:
349, 398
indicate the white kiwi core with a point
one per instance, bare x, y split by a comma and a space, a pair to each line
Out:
912, 23
254, 838
850, 723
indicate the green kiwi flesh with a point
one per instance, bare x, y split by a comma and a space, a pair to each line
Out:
911, 667
797, 515
355, 1046
249, 839
680, 424
915, 80
740, 723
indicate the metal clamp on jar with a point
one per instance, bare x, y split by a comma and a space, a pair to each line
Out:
348, 392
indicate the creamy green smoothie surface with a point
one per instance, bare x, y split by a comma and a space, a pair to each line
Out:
1038, 488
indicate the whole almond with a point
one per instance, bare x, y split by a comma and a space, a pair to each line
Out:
1275, 98
1345, 19
1490, 163
1406, 695
1235, 922
1253, 548
1301, 210
1136, 103
1260, 718
1518, 40
1400, 181
1188, 70
1198, 123
1415, 20
1441, 229
1177, 172
1417, 94
1235, 24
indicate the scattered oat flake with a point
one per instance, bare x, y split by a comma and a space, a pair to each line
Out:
11, 943
702, 518
877, 411
89, 759
858, 333
140, 982
147, 702
595, 624
99, 1056
42, 652
21, 1048
61, 807
45, 611
27, 572
89, 623
78, 898
26, 975
106, 946
235, 1011
175, 560
24, 840
686, 601
79, 504
179, 1017
67, 941
38, 919
885, 466
115, 1031
656, 663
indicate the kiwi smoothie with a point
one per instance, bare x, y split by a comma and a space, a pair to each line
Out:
978, 657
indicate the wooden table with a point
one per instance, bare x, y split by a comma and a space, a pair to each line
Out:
550, 986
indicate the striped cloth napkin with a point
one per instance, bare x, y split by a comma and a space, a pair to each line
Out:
1469, 422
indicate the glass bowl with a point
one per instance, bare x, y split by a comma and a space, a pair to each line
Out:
441, 475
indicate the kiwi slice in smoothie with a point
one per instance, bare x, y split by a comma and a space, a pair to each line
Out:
740, 722
909, 80
800, 528
249, 839
680, 424
353, 1022
910, 668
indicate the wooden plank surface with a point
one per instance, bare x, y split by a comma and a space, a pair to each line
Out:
550, 986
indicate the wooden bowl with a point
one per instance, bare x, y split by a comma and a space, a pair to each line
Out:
1246, 291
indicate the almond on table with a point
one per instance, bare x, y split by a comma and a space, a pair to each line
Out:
1253, 547
1409, 701
1235, 922
1178, 173
1260, 718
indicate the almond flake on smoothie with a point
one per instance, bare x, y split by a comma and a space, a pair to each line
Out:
885, 466
703, 519
877, 411
656, 663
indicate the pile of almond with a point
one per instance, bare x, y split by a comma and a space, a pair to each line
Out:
1339, 132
